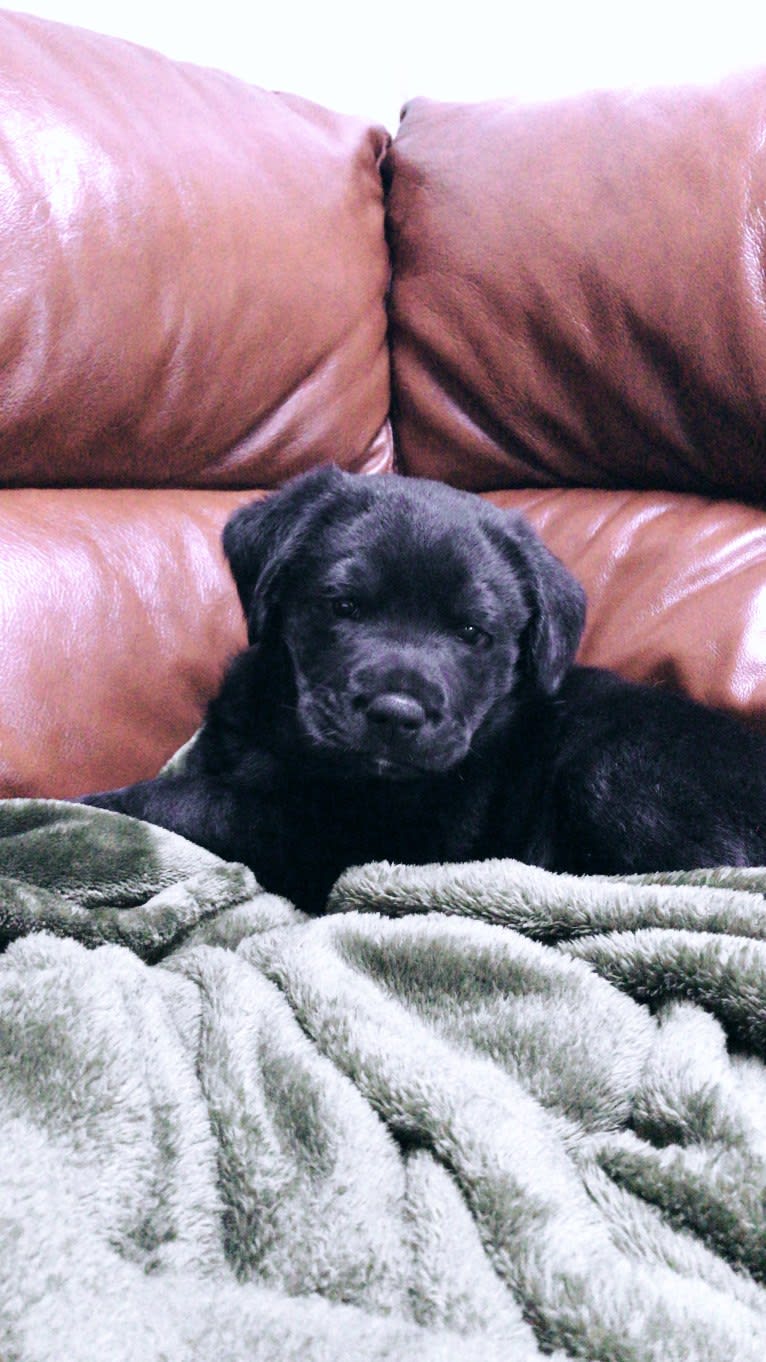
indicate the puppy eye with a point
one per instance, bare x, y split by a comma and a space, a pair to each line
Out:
472, 634
345, 608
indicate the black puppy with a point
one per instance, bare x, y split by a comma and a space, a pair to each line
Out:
408, 694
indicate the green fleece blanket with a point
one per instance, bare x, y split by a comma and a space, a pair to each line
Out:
475, 1112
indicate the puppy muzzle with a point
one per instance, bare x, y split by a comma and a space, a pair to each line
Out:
400, 725
393, 722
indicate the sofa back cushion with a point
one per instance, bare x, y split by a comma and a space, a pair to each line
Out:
578, 290
193, 272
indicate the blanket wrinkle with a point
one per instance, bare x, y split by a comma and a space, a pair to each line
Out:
509, 893
476, 1112
723, 973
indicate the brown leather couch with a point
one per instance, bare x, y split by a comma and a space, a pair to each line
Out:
208, 287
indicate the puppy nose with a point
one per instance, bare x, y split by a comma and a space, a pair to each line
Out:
397, 712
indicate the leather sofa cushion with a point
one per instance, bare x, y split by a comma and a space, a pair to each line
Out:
578, 290
676, 587
192, 272
118, 614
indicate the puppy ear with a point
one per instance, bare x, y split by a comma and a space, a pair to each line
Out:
557, 603
261, 539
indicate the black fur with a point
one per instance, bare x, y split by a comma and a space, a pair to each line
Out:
409, 694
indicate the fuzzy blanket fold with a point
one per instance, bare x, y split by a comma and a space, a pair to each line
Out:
475, 1112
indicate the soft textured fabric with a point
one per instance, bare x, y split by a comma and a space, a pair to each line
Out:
475, 1112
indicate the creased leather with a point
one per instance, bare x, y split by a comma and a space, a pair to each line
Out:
676, 587
193, 280
192, 272
117, 615
578, 290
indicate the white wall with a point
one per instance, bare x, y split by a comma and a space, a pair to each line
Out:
367, 58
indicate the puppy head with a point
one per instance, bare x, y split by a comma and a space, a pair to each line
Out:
415, 617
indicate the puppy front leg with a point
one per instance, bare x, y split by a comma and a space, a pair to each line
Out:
202, 810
